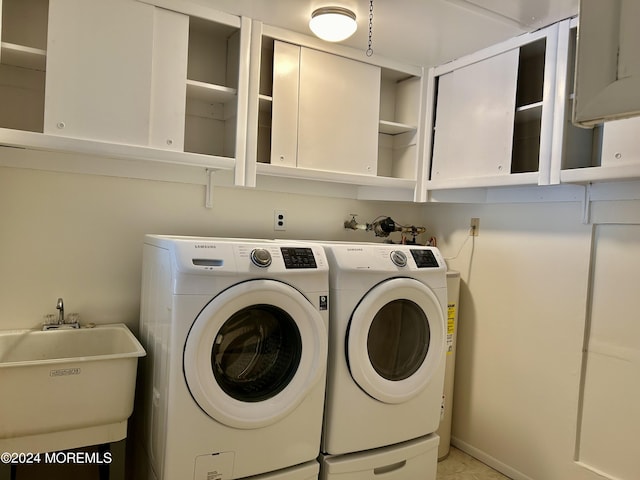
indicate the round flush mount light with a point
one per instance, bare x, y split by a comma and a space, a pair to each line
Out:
333, 24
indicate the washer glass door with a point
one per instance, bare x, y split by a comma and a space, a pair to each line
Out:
396, 338
254, 353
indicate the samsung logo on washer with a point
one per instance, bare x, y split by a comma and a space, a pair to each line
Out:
355, 249
204, 245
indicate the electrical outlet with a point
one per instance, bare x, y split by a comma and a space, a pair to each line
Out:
279, 220
474, 227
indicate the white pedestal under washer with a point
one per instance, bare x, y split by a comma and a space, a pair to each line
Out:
386, 345
236, 335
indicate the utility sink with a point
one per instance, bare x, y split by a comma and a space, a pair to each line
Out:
62, 389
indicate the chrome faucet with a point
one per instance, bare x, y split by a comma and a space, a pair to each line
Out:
53, 323
60, 308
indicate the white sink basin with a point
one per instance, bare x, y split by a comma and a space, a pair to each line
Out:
62, 389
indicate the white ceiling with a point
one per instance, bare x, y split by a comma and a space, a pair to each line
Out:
420, 32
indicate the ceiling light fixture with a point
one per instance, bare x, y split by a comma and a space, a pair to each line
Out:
333, 24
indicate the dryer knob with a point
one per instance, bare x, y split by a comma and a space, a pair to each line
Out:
261, 257
399, 258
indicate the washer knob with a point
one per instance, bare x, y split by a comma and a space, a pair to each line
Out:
399, 258
261, 257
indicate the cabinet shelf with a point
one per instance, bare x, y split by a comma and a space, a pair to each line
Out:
529, 113
209, 93
24, 57
395, 128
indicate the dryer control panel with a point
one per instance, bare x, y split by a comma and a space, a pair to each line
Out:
424, 258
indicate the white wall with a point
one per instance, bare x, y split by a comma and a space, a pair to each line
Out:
524, 309
524, 296
79, 237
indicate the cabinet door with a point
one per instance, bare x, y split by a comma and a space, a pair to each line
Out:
608, 64
99, 70
475, 119
338, 113
284, 110
168, 88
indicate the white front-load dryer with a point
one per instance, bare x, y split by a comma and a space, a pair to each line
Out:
236, 332
386, 347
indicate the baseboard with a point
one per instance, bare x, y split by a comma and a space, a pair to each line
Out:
489, 460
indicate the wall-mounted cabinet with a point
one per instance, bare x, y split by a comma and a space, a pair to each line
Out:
23, 55
330, 116
323, 110
604, 151
159, 80
493, 115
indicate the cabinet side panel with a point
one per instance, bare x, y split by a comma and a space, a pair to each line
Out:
474, 119
338, 114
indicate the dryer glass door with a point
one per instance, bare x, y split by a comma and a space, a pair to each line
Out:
395, 341
398, 339
254, 353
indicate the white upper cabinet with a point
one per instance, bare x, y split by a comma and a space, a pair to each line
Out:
324, 110
493, 118
607, 151
607, 83
332, 116
98, 81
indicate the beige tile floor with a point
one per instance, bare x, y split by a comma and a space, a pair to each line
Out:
460, 466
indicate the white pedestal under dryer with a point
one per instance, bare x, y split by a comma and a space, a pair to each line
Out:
236, 335
386, 345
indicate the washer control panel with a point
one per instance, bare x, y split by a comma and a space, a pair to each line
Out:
298, 257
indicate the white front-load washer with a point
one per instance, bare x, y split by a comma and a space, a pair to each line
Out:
386, 345
236, 335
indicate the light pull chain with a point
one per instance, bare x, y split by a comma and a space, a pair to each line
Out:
370, 49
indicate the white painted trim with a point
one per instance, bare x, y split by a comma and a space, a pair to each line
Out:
529, 178
54, 143
560, 101
548, 104
253, 108
337, 177
594, 174
428, 102
244, 67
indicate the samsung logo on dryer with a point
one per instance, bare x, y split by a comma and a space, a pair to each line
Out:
355, 249
204, 245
